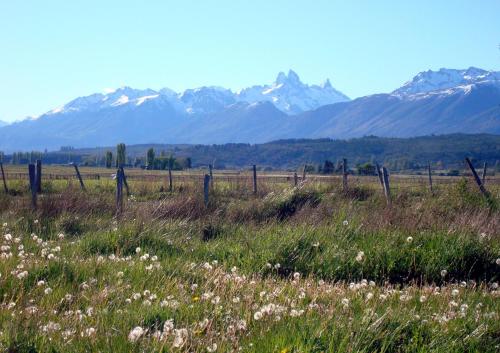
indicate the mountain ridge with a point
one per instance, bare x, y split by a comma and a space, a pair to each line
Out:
218, 115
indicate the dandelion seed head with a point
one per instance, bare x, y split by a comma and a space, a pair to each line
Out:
135, 334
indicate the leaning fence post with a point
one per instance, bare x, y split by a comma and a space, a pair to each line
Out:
206, 185
119, 191
254, 167
4, 180
38, 176
344, 174
483, 179
387, 188
295, 179
380, 178
430, 176
78, 176
33, 186
476, 178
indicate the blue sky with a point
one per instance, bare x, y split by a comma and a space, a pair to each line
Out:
54, 51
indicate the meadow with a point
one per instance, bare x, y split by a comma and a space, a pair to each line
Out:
311, 268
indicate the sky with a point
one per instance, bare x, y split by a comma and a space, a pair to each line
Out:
54, 51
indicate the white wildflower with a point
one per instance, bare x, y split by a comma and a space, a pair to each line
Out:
135, 334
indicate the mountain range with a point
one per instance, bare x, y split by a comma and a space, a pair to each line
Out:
433, 102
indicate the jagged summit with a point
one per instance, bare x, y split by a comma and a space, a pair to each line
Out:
287, 93
443, 79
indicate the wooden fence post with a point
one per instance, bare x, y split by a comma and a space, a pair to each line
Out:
124, 177
4, 180
210, 170
295, 179
78, 176
430, 176
304, 173
483, 179
344, 174
206, 186
119, 191
39, 176
379, 174
254, 167
387, 188
170, 183
476, 178
33, 186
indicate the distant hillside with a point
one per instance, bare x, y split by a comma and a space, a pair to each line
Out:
445, 151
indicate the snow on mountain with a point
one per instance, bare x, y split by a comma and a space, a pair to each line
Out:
447, 81
206, 100
292, 96
287, 93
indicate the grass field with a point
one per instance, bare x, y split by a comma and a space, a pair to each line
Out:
291, 269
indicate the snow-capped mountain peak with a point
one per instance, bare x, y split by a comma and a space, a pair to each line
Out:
290, 95
444, 79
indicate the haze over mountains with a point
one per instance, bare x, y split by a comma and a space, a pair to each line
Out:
433, 102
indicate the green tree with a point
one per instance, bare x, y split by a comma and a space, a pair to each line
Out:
109, 159
328, 167
151, 158
120, 155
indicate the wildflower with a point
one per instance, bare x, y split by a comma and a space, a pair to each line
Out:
212, 347
119, 274
22, 274
444, 273
135, 334
168, 326
194, 286
409, 239
181, 336
146, 302
7, 237
236, 300
11, 305
369, 296
48, 290
90, 332
61, 236
345, 223
498, 261
423, 299
137, 251
257, 315
40, 283
241, 325
455, 292
345, 302
296, 276
360, 256
296, 313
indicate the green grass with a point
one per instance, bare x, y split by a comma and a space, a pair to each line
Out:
311, 269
